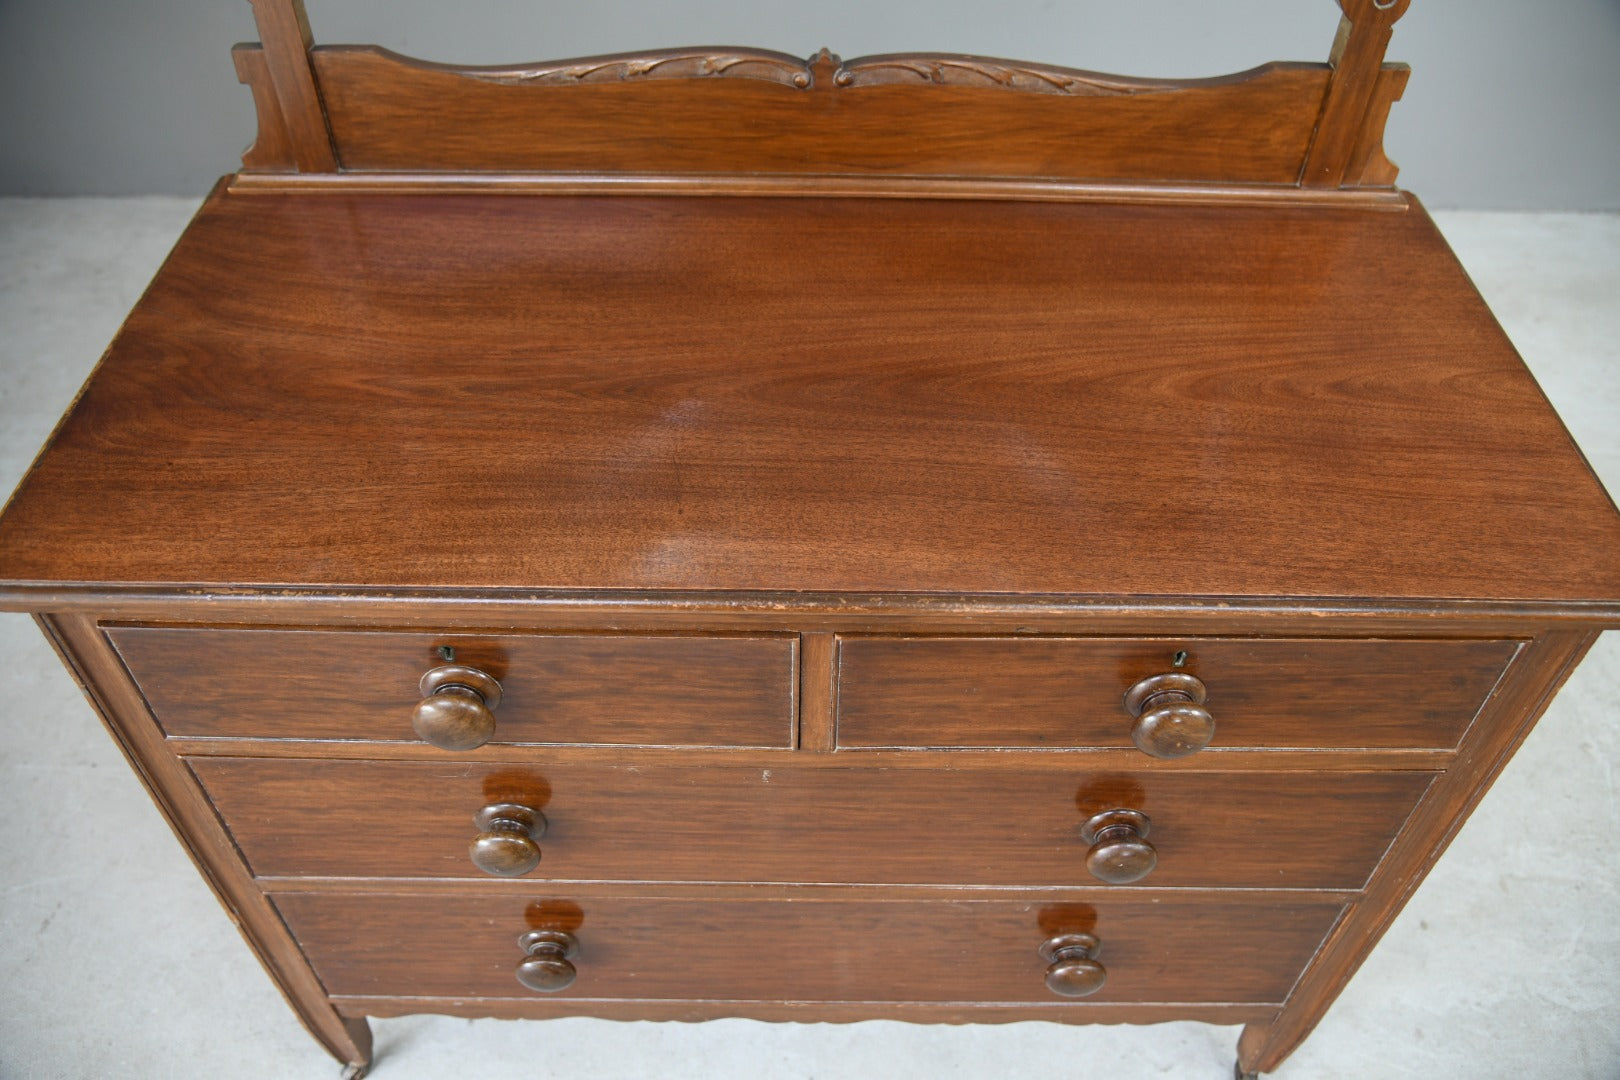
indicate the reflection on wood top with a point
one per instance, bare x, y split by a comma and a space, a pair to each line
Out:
826, 395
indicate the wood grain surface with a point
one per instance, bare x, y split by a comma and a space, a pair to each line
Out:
1213, 949
1503, 725
609, 689
644, 822
284, 28
184, 806
525, 393
657, 465
390, 113
905, 692
1348, 111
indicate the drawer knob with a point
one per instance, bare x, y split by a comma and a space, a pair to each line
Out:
1072, 969
457, 710
545, 968
1171, 720
1120, 853
505, 845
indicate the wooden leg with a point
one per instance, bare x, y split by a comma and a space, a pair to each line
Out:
122, 708
1260, 1050
1504, 721
359, 1061
346, 1038
356, 1057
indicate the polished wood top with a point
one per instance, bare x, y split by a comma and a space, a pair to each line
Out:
828, 395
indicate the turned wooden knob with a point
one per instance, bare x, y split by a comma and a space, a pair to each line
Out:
1072, 969
505, 845
1120, 853
545, 967
1171, 720
457, 710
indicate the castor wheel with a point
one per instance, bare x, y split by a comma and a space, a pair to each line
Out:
354, 1072
1239, 1074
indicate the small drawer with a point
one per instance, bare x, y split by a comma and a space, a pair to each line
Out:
1070, 692
902, 826
1215, 949
614, 689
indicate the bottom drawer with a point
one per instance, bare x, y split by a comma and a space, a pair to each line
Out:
1189, 950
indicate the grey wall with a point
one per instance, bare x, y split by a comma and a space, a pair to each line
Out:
1512, 104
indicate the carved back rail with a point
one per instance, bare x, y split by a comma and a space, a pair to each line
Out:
746, 120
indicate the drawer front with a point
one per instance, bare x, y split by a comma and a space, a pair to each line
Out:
1216, 950
1069, 692
618, 689
845, 825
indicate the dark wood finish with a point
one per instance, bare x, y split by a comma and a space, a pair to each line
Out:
1072, 967
272, 149
818, 691
1369, 166
1213, 949
1120, 853
699, 120
453, 719
505, 845
1171, 721
545, 966
186, 809
1358, 95
1506, 721
599, 688
580, 891
422, 608
1070, 762
1057, 692
749, 455
1052, 1010
284, 31
820, 185
1107, 380
457, 710
1251, 128
711, 822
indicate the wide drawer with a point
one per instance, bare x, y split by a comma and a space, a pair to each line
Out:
649, 822
619, 689
1212, 949
1069, 692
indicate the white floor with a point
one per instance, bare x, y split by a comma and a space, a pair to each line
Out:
115, 959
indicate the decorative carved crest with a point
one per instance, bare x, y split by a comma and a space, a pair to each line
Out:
759, 64
824, 71
948, 70
692, 119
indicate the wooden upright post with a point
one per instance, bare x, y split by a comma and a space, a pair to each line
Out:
1358, 64
286, 39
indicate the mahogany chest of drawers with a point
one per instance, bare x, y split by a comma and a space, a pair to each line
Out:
1004, 543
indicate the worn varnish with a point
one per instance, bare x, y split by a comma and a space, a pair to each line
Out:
708, 821
1056, 692
777, 570
555, 688
669, 393
873, 116
1213, 950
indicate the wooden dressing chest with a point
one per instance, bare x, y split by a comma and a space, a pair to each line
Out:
706, 533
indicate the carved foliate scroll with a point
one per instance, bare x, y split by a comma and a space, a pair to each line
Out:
823, 71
